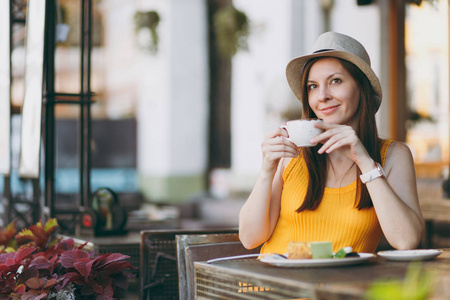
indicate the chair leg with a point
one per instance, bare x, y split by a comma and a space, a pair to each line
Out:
429, 232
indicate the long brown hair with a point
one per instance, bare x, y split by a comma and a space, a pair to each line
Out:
366, 132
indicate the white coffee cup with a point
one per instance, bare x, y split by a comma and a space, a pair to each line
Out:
301, 132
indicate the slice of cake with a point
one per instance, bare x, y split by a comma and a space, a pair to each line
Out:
321, 249
298, 250
306, 250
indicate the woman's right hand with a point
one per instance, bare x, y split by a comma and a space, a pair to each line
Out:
275, 146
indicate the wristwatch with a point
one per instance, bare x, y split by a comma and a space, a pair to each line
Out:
375, 173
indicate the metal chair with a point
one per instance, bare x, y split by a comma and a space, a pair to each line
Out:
191, 248
158, 261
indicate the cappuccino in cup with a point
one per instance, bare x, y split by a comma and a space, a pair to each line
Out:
301, 132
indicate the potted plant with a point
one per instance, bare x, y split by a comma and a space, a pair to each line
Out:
232, 30
33, 265
146, 24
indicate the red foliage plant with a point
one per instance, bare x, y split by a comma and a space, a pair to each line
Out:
37, 270
7, 235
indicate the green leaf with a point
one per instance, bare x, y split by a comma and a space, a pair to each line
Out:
416, 285
50, 225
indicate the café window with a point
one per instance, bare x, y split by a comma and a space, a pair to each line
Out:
113, 126
427, 73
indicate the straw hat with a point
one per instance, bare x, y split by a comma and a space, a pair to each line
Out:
333, 44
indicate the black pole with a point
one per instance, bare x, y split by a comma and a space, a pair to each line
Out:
85, 105
49, 100
87, 97
7, 182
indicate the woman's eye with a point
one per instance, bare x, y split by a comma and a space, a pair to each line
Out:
336, 80
312, 86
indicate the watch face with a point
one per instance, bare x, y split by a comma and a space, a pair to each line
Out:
380, 168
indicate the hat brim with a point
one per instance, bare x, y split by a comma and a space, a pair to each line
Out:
294, 71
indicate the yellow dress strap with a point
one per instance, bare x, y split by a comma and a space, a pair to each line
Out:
384, 147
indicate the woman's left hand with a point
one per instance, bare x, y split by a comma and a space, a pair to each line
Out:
342, 139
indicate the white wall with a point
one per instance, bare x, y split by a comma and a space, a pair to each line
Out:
189, 87
5, 92
119, 57
166, 90
173, 91
259, 89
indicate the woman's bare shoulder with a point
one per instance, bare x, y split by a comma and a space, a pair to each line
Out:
396, 148
397, 153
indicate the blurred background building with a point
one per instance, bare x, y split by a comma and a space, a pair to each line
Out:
187, 89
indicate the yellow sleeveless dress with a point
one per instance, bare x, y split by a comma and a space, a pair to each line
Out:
336, 219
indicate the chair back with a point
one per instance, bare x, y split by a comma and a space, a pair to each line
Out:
158, 261
192, 248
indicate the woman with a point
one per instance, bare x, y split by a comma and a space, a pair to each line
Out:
349, 189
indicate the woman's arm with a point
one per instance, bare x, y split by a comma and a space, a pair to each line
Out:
259, 214
395, 198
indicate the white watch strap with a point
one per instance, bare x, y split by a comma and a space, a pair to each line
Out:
373, 174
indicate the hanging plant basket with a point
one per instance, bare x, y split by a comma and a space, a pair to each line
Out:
231, 27
146, 24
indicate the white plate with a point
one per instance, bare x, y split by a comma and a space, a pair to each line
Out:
318, 262
409, 255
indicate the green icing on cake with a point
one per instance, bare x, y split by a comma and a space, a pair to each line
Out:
321, 249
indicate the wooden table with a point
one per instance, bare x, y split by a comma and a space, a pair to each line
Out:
252, 279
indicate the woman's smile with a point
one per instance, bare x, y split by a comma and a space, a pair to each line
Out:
329, 109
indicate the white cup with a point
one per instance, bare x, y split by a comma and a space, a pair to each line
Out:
301, 132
